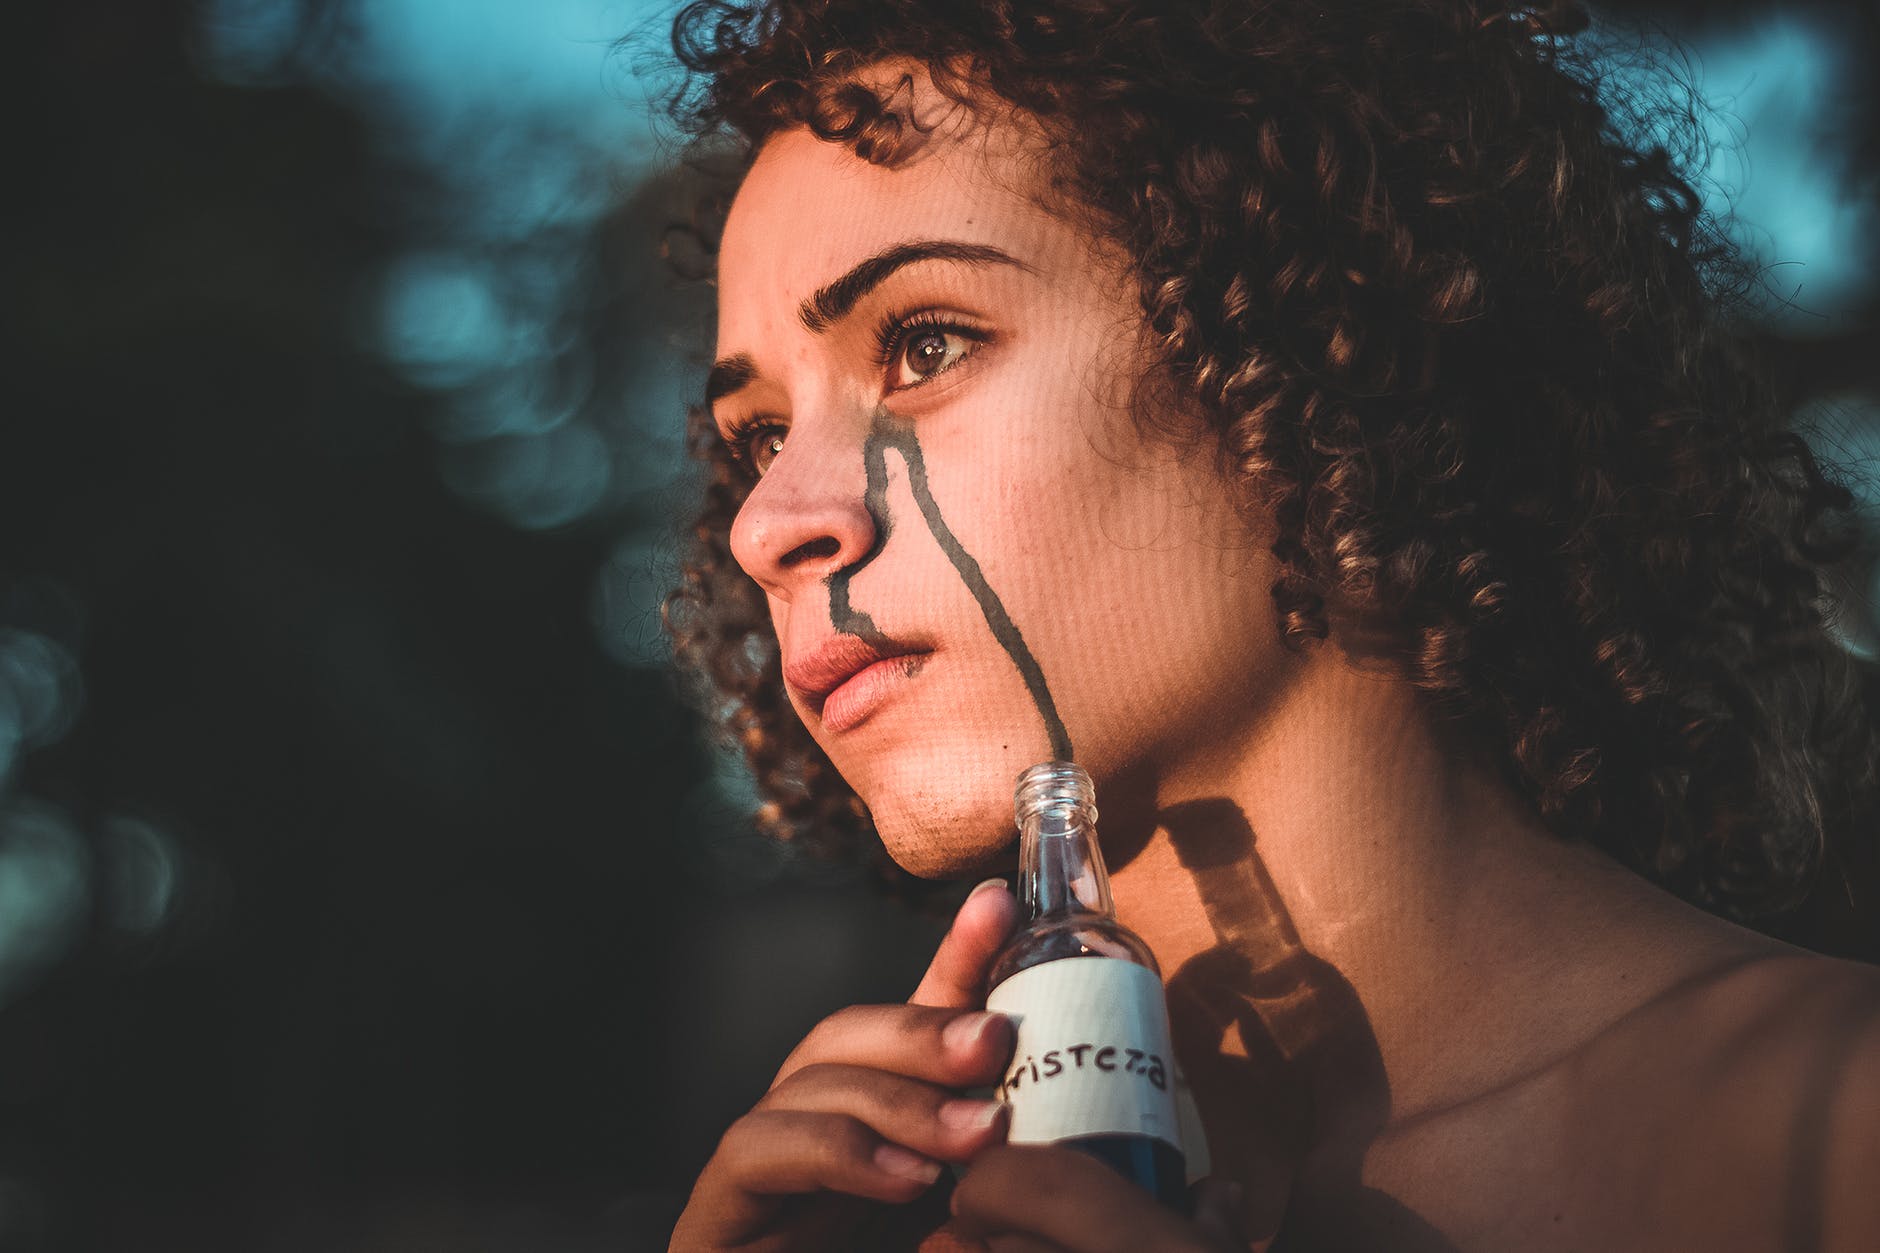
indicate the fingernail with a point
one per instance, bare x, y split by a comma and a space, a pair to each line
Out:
898, 1161
964, 1032
989, 883
968, 1115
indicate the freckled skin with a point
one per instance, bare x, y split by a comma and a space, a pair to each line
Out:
1120, 564
890, 433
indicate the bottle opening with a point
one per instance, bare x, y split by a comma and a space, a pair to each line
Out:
1059, 793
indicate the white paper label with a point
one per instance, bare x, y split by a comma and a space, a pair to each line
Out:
1093, 1054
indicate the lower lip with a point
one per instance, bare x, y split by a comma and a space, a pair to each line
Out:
864, 691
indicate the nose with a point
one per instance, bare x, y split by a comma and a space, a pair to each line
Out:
807, 518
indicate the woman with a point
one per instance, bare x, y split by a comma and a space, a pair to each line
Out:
1320, 422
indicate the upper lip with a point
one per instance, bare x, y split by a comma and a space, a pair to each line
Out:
822, 669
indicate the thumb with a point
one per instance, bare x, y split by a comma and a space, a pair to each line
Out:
1217, 1202
956, 978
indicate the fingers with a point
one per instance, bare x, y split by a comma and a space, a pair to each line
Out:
876, 1125
1074, 1201
865, 1106
930, 1120
956, 978
778, 1151
941, 1046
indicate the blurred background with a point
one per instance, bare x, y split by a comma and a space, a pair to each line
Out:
365, 882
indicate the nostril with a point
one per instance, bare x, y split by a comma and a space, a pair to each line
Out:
815, 550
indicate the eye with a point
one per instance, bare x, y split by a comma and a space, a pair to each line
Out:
763, 446
754, 444
915, 349
925, 354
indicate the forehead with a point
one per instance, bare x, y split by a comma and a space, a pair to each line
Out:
809, 209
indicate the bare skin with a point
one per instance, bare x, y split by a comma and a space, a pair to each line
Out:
1566, 1056
1411, 1017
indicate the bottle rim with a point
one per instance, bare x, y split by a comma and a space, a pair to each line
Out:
1051, 784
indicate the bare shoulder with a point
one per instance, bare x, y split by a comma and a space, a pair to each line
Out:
1737, 1109
1744, 1106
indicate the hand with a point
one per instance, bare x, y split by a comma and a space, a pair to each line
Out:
866, 1108
1025, 1198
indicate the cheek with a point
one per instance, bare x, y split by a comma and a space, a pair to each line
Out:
1141, 595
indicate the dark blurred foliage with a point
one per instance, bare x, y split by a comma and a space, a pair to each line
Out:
410, 838
364, 882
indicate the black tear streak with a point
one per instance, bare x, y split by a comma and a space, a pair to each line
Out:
847, 619
888, 432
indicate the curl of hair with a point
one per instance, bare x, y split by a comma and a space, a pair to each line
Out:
1464, 333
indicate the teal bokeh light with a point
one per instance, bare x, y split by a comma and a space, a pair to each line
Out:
1785, 90
40, 695
45, 877
442, 325
141, 874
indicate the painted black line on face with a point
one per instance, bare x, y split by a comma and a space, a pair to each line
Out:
888, 432
847, 619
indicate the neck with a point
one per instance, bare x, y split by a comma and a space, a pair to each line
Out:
1338, 897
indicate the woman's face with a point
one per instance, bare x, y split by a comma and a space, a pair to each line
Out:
974, 559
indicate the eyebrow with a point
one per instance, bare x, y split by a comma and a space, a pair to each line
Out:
729, 374
836, 301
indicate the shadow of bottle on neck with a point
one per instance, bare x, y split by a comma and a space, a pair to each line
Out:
1279, 1054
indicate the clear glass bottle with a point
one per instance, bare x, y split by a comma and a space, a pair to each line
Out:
1093, 1068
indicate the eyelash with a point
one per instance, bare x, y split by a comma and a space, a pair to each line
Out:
891, 337
737, 440
896, 329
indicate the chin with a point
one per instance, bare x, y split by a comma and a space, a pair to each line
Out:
920, 854
937, 770
936, 827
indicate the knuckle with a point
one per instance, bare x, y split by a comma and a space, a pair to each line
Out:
849, 1019
924, 1035
906, 1029
809, 1077
814, 1041
850, 1139
903, 1029
747, 1135
896, 1106
916, 1022
823, 1138
818, 1039
833, 1085
735, 1147
825, 1038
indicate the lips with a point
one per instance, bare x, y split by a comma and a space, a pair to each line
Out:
844, 678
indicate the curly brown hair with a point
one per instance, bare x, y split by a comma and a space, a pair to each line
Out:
1465, 334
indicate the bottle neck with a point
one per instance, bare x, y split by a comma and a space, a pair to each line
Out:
1061, 871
